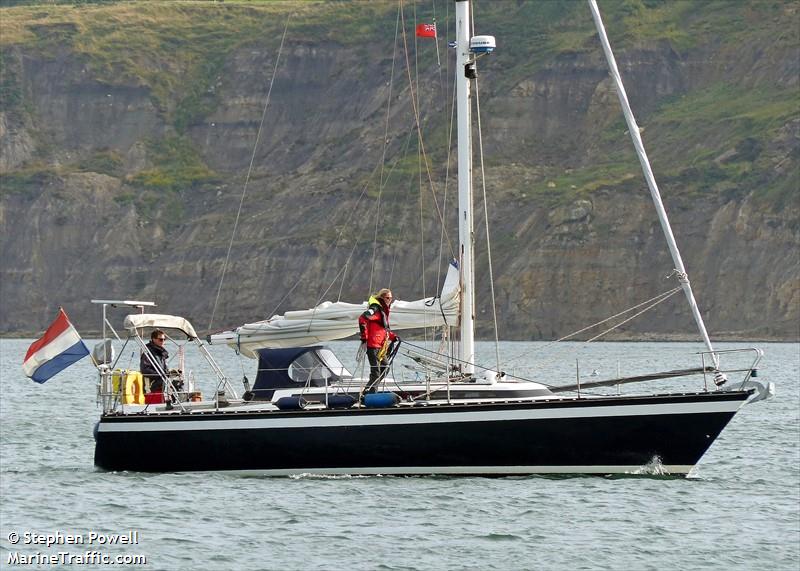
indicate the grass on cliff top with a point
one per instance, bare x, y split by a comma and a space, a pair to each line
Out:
116, 27
550, 28
178, 49
690, 23
164, 43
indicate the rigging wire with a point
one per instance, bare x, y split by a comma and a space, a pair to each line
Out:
402, 154
423, 157
439, 281
634, 316
341, 285
381, 181
249, 171
443, 93
342, 272
335, 244
400, 230
653, 301
419, 134
420, 350
662, 297
442, 75
452, 338
421, 201
486, 222
447, 168
344, 227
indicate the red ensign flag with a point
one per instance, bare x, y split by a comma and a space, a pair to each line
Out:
426, 30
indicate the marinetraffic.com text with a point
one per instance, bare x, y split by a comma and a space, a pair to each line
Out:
92, 556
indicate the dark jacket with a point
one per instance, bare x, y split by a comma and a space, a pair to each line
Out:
160, 356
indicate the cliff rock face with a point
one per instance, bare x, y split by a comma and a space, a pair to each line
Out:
574, 235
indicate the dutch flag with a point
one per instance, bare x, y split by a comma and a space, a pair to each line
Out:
60, 346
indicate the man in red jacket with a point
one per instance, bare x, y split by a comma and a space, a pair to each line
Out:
373, 325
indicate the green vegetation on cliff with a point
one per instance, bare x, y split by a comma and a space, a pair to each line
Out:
177, 166
178, 51
127, 129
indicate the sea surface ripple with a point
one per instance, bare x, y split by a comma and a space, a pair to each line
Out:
739, 509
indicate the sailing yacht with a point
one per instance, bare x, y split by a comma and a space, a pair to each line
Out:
302, 415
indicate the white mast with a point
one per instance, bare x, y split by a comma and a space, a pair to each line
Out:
633, 128
466, 352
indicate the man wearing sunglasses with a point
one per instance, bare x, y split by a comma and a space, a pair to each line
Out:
158, 354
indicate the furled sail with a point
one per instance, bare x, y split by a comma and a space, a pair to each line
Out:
336, 320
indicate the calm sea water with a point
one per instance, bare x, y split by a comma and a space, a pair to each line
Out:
740, 509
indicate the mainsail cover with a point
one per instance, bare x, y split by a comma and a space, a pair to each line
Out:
336, 320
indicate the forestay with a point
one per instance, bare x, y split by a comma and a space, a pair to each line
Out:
336, 320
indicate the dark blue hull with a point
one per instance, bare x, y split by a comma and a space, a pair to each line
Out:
603, 435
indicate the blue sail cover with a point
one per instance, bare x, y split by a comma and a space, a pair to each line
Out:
294, 367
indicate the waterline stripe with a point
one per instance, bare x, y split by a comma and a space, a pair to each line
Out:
356, 419
667, 469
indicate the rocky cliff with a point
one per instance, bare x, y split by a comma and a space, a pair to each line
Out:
125, 146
